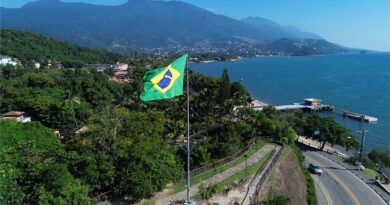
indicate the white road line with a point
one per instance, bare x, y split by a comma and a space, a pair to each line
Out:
328, 199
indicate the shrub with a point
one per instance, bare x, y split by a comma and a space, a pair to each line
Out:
207, 191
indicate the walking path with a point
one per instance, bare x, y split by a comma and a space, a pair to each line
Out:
219, 177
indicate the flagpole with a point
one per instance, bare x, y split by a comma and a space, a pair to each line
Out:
188, 201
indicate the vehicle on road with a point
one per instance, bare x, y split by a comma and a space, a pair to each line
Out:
359, 166
315, 169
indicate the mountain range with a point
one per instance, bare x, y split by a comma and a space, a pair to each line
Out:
147, 25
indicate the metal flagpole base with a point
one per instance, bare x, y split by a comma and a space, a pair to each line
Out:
189, 202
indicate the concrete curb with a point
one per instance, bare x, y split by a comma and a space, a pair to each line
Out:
384, 188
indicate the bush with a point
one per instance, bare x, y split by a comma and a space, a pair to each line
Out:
207, 191
274, 198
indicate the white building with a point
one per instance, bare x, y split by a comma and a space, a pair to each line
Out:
37, 65
15, 115
5, 60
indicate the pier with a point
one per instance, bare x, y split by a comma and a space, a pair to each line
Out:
357, 116
310, 105
315, 105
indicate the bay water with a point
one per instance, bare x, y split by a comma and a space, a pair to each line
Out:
354, 82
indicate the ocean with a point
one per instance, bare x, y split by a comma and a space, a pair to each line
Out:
354, 82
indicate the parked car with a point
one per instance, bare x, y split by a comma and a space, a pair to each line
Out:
359, 166
315, 169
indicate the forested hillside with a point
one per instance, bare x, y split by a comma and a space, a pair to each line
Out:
126, 147
27, 46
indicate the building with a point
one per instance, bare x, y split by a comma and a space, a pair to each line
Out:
16, 115
54, 64
5, 60
121, 66
100, 67
120, 77
312, 101
37, 65
103, 67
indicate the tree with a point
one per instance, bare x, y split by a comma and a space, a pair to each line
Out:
239, 94
132, 141
152, 166
225, 87
329, 131
32, 160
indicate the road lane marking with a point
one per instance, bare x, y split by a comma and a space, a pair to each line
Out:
358, 178
326, 194
339, 181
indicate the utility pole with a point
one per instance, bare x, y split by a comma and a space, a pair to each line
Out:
362, 145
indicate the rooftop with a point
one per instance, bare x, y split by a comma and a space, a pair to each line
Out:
312, 99
13, 114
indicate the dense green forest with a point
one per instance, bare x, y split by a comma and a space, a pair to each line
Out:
27, 46
128, 147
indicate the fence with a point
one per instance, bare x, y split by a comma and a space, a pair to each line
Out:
221, 162
266, 172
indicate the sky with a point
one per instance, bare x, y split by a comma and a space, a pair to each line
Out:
352, 23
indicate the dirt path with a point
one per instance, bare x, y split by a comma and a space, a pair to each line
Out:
219, 177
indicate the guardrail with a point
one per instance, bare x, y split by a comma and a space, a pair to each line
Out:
266, 172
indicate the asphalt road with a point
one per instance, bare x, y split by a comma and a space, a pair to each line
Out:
338, 186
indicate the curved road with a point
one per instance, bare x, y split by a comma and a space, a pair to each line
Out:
338, 186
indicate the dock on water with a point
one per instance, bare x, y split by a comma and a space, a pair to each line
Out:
310, 105
315, 105
357, 116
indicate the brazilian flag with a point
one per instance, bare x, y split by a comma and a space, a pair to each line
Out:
164, 83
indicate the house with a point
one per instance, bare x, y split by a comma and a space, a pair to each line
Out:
103, 67
121, 66
312, 101
100, 67
37, 65
120, 77
16, 115
5, 60
54, 64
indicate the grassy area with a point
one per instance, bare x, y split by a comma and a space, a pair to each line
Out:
311, 196
251, 170
371, 173
180, 186
147, 202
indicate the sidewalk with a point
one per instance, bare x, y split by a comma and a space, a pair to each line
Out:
219, 177
370, 182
